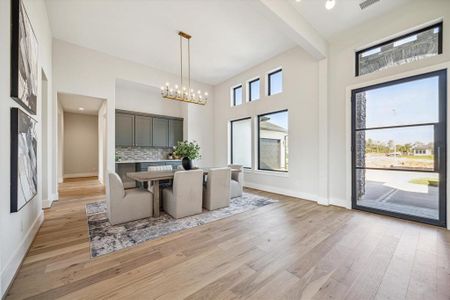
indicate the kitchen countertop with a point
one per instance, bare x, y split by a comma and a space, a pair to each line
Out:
145, 161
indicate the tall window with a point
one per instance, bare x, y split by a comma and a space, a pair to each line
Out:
413, 46
273, 141
253, 90
237, 95
275, 84
241, 142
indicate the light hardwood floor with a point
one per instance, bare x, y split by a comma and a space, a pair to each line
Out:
294, 249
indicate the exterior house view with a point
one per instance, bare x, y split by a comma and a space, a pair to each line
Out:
421, 150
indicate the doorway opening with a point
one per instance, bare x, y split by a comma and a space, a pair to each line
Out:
399, 145
82, 144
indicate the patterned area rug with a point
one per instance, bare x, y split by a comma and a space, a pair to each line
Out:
106, 238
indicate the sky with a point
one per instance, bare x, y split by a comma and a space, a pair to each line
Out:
280, 119
414, 102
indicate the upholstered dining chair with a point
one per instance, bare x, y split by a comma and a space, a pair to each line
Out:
216, 193
237, 181
124, 206
184, 198
158, 169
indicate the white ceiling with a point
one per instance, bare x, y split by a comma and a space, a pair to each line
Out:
72, 103
228, 36
343, 16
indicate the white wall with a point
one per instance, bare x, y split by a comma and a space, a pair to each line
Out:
102, 142
18, 229
341, 70
60, 142
300, 96
78, 70
81, 139
147, 99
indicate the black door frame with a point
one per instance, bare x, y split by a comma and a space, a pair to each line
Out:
440, 149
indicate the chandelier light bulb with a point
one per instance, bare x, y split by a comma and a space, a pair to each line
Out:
330, 4
167, 84
206, 94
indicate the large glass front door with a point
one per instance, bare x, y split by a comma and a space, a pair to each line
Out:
399, 148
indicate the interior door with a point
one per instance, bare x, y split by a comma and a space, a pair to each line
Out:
399, 148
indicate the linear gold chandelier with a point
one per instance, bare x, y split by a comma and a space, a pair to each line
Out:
184, 93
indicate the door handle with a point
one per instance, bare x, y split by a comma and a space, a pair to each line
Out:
438, 158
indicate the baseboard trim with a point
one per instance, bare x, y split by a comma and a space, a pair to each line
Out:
77, 175
47, 203
271, 189
55, 197
9, 272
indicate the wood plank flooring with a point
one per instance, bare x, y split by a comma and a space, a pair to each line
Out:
294, 249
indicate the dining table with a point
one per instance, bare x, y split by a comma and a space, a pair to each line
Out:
154, 177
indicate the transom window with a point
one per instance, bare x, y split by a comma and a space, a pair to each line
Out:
410, 47
275, 82
237, 95
253, 89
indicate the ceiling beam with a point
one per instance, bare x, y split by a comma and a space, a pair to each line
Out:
294, 26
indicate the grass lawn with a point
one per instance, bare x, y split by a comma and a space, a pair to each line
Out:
425, 181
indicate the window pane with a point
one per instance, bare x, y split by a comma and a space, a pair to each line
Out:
273, 141
237, 95
275, 82
241, 139
254, 90
409, 148
413, 47
412, 102
411, 193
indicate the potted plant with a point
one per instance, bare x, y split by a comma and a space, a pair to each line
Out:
188, 151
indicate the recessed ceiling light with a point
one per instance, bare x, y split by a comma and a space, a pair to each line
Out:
298, 0
80, 108
330, 4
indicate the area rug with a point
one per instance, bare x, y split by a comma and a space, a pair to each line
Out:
106, 238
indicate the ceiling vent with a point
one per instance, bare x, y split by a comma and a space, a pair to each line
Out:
365, 4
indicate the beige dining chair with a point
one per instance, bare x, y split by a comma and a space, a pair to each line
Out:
157, 169
216, 193
184, 198
125, 206
237, 181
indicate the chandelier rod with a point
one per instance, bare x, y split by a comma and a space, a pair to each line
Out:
189, 66
181, 58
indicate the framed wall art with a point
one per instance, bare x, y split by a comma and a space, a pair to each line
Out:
23, 159
24, 58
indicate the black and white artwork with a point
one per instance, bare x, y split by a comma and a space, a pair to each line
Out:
23, 159
24, 58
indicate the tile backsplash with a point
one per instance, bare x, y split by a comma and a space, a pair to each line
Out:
141, 153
